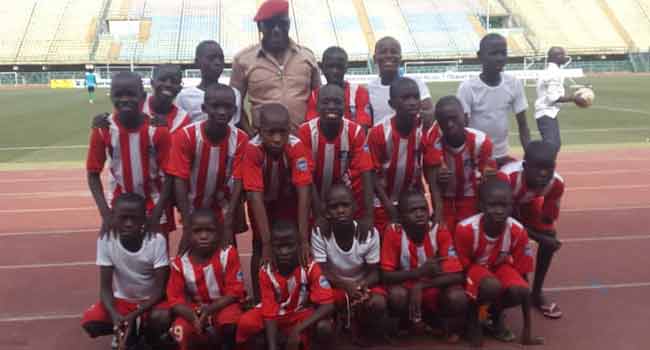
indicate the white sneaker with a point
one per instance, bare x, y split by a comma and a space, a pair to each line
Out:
114, 343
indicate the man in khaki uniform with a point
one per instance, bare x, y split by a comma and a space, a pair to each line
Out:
277, 69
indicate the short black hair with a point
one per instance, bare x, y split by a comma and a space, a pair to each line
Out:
388, 39
333, 50
401, 83
488, 38
271, 108
132, 198
492, 184
214, 87
202, 45
167, 68
329, 87
447, 100
405, 195
540, 153
339, 186
204, 213
284, 225
126, 75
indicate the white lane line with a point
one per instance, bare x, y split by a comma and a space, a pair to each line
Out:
40, 179
41, 266
621, 109
47, 194
619, 208
45, 233
44, 317
44, 210
612, 187
605, 238
606, 172
36, 148
597, 286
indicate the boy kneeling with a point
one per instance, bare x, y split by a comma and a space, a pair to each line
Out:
295, 299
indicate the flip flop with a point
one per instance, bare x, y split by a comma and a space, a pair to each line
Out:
551, 311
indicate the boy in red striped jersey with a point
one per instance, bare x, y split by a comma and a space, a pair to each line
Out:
205, 287
421, 270
396, 150
137, 152
455, 159
205, 160
296, 300
340, 153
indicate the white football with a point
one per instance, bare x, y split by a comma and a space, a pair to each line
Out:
587, 96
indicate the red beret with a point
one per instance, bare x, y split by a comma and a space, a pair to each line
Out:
271, 8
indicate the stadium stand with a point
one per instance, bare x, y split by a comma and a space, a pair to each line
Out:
386, 19
347, 28
200, 22
14, 17
634, 16
239, 29
312, 14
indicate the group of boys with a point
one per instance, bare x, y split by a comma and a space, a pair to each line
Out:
342, 228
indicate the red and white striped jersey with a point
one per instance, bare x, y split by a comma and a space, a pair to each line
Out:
210, 168
400, 253
276, 177
282, 295
136, 158
177, 118
466, 163
474, 246
357, 104
522, 194
341, 160
398, 158
194, 283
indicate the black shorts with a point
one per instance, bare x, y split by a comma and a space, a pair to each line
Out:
91, 89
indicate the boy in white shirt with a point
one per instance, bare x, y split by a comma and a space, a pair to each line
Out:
133, 268
349, 259
550, 93
388, 57
489, 98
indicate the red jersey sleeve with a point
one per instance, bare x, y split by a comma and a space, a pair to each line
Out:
432, 152
238, 161
362, 100
376, 144
390, 248
551, 208
96, 150
320, 290
522, 252
447, 250
181, 155
304, 134
485, 159
301, 165
361, 158
251, 169
270, 306
162, 142
234, 276
176, 285
464, 245
312, 109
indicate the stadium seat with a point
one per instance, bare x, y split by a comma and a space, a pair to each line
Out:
14, 16
311, 14
348, 29
634, 18
386, 19
200, 22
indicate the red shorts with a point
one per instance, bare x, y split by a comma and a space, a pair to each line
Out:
457, 210
530, 214
507, 275
381, 220
97, 313
252, 323
185, 334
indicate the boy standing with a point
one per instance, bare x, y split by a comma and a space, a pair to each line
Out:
205, 287
133, 271
295, 299
490, 97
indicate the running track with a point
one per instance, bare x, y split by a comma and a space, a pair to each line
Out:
600, 277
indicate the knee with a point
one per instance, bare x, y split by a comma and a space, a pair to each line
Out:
489, 290
398, 298
456, 301
517, 294
324, 331
97, 329
377, 305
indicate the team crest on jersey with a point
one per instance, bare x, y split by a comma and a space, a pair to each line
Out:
324, 283
301, 164
528, 250
240, 276
366, 148
452, 252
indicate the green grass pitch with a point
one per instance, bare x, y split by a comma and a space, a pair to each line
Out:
46, 117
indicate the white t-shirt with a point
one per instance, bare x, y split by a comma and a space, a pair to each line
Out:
379, 95
191, 98
550, 87
347, 264
488, 107
133, 277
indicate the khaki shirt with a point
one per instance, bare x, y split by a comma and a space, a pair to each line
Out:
259, 75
